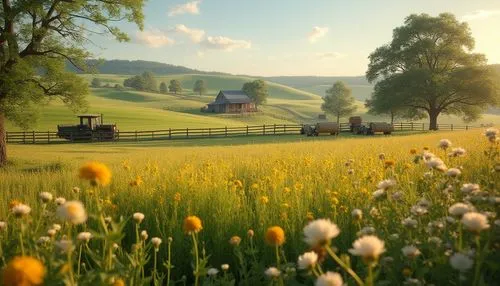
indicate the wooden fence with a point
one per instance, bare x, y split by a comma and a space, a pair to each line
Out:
40, 137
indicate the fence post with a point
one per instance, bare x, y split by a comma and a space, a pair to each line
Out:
412, 126
274, 129
247, 130
466, 127
264, 130
451, 127
135, 135
401, 124
225, 131
24, 137
152, 135
284, 128
169, 133
209, 132
33, 136
187, 132
48, 136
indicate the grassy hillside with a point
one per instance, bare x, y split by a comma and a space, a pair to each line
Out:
214, 84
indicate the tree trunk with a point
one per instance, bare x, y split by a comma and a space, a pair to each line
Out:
3, 143
392, 118
433, 116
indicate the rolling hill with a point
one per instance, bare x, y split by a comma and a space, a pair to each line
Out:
291, 100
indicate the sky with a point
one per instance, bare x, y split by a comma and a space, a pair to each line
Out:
285, 37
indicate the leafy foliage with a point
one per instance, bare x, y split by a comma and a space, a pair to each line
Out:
339, 101
175, 86
257, 91
96, 82
38, 38
429, 67
144, 82
200, 87
163, 87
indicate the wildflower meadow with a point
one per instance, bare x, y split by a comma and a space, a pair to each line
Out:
389, 210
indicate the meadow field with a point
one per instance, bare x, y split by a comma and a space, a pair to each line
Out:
384, 210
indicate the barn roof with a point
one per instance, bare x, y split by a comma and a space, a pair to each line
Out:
231, 96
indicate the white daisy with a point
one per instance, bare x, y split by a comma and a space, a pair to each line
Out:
475, 222
138, 217
369, 247
272, 272
84, 236
329, 279
156, 241
320, 231
45, 197
459, 209
72, 211
307, 260
410, 251
444, 144
461, 262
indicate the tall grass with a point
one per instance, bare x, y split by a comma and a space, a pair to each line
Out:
234, 189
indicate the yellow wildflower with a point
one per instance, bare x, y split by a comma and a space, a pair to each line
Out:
97, 173
275, 236
192, 224
24, 271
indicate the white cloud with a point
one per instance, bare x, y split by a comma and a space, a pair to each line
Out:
329, 56
225, 43
153, 38
480, 14
187, 8
200, 54
196, 35
316, 33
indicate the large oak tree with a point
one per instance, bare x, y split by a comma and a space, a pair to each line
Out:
38, 38
430, 67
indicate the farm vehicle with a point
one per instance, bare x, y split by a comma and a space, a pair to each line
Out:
331, 128
357, 126
91, 128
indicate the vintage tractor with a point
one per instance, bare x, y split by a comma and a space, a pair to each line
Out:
91, 128
358, 127
331, 128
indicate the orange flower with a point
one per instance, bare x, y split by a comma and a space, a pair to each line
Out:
119, 282
192, 224
14, 203
97, 173
24, 271
389, 164
275, 236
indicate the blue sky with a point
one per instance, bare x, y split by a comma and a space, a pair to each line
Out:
286, 37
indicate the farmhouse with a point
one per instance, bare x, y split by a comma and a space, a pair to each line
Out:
231, 101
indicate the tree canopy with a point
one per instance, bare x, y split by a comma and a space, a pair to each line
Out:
38, 38
146, 81
339, 101
96, 82
163, 87
429, 67
257, 91
200, 87
175, 86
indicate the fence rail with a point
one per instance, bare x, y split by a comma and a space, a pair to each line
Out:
48, 137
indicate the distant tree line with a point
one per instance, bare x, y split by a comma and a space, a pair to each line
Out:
144, 82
